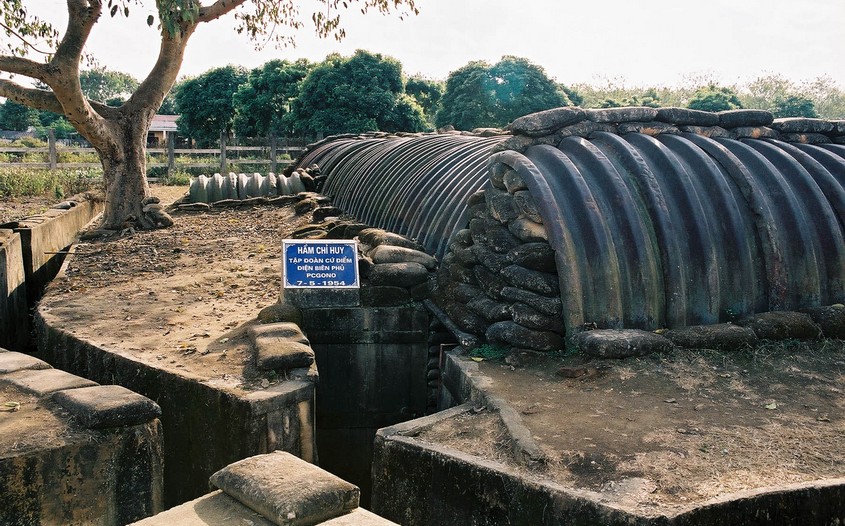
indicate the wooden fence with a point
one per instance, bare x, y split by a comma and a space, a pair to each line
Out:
213, 158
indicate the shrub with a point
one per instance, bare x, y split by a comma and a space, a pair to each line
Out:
19, 182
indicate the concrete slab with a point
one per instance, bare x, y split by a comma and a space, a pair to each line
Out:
45, 381
15, 361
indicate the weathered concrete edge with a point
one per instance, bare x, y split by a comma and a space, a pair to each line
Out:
472, 385
560, 499
14, 317
254, 411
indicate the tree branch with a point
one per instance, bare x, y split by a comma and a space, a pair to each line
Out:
23, 66
218, 9
34, 98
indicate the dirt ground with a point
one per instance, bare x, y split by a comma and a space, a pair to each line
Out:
12, 209
660, 433
651, 434
182, 297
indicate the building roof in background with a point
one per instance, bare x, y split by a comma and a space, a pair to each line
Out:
164, 123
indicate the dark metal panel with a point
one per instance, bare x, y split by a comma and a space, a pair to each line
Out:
415, 186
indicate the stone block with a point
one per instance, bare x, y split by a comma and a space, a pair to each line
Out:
534, 319
651, 128
514, 182
755, 132
105, 406
803, 125
831, 319
721, 337
287, 490
551, 306
627, 114
523, 278
359, 517
687, 116
15, 361
394, 254
546, 122
280, 346
782, 325
526, 206
712, 132
494, 261
738, 118
512, 334
500, 205
403, 275
489, 309
377, 237
623, 343
46, 381
806, 138
534, 256
280, 312
585, 129
527, 231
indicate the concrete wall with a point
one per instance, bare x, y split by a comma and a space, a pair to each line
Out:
73, 452
45, 234
372, 363
31, 253
14, 319
205, 428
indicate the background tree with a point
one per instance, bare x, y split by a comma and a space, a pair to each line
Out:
355, 94
427, 93
119, 134
17, 117
468, 101
793, 106
204, 104
479, 95
111, 87
714, 98
521, 87
262, 102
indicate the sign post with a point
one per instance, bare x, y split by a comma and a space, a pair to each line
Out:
320, 264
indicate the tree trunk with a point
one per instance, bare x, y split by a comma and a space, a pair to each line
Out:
127, 194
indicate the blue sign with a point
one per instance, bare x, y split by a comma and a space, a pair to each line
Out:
318, 263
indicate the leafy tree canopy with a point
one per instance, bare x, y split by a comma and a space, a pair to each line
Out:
107, 86
426, 92
794, 106
17, 117
262, 102
205, 106
480, 95
714, 98
354, 94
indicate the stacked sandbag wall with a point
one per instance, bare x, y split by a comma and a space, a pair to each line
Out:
238, 187
657, 218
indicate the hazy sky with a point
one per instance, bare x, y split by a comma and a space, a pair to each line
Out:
646, 42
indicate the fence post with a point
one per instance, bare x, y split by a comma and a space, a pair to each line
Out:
223, 152
171, 158
51, 148
273, 147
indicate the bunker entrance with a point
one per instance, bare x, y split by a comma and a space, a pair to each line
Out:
374, 372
